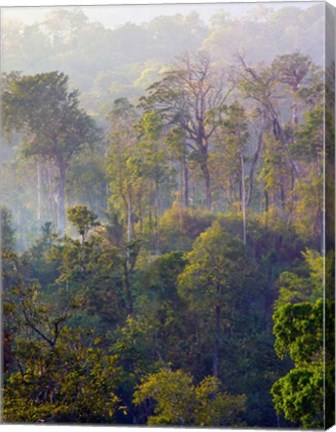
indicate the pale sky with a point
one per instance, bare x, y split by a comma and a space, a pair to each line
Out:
113, 15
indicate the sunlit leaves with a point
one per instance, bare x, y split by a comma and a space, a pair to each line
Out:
83, 219
299, 395
180, 402
70, 383
299, 332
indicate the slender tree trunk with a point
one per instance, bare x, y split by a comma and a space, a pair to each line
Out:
206, 175
127, 287
127, 264
180, 196
107, 194
130, 230
186, 182
157, 219
181, 187
61, 197
215, 358
39, 185
295, 122
253, 165
294, 107
282, 194
193, 197
266, 201
51, 201
278, 134
140, 214
243, 197
7, 352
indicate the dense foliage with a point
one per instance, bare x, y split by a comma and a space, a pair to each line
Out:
167, 266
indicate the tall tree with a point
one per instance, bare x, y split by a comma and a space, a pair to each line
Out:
274, 174
261, 85
54, 125
152, 162
125, 185
215, 287
190, 94
291, 69
230, 156
176, 143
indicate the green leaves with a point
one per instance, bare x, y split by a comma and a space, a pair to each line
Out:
291, 68
309, 137
299, 332
71, 383
218, 284
230, 151
299, 395
180, 402
173, 392
83, 219
295, 289
151, 153
7, 231
167, 285
54, 127
298, 329
210, 275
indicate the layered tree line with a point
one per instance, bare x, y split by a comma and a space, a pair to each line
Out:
177, 275
122, 61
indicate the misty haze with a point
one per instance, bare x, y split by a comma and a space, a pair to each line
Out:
163, 214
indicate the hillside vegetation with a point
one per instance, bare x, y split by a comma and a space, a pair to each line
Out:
162, 228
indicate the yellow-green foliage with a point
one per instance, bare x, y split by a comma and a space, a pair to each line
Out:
296, 289
298, 330
69, 383
180, 402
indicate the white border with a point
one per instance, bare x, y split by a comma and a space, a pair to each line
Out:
9, 3
18, 3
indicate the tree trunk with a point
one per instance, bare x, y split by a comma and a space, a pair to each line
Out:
294, 108
266, 202
253, 166
243, 198
278, 134
206, 175
186, 182
61, 196
282, 194
179, 194
157, 219
51, 213
107, 194
39, 186
140, 215
130, 230
215, 358
127, 287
